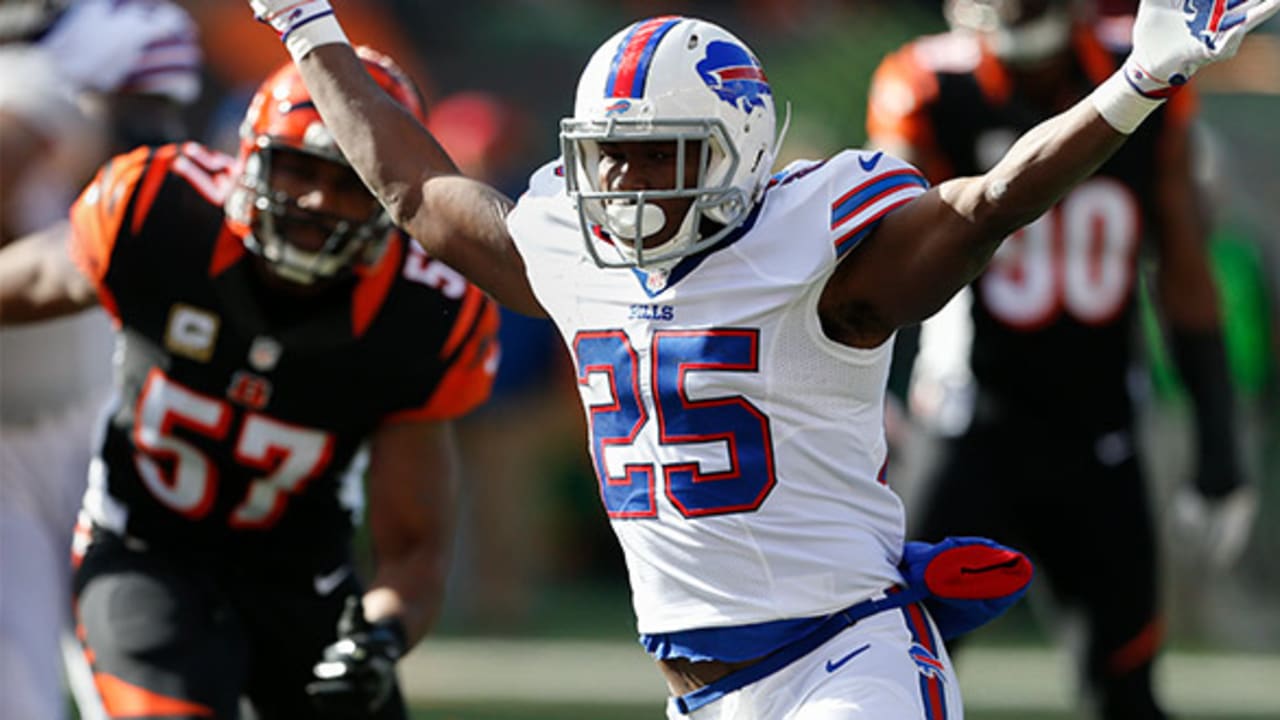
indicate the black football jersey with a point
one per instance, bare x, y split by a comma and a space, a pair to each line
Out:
1054, 311
238, 411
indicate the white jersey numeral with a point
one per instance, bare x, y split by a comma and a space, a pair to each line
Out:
206, 171
430, 272
1077, 258
298, 454
185, 479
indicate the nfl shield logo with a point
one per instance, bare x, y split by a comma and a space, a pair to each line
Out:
656, 281
264, 353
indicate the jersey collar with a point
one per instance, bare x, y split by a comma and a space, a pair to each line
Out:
655, 283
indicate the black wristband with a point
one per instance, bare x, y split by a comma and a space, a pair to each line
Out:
1202, 363
393, 632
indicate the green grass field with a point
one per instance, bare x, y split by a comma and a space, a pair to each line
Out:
631, 712
455, 711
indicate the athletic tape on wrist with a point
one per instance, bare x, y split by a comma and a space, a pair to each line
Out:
1121, 105
306, 25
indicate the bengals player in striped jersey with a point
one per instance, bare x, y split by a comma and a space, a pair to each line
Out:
1048, 461
278, 337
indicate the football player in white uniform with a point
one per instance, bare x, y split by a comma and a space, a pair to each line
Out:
731, 332
79, 80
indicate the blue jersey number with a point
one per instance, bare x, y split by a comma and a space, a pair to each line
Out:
733, 422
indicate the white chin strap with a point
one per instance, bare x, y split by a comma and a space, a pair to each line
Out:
621, 220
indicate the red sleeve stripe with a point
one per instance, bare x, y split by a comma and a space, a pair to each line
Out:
850, 240
871, 191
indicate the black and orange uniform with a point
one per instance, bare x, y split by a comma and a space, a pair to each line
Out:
228, 476
1047, 463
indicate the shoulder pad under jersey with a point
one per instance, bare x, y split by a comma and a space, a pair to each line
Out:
854, 190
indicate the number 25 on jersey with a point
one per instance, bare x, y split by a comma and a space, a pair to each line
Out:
682, 422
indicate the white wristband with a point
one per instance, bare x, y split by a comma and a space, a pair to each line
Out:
321, 31
1121, 105
306, 25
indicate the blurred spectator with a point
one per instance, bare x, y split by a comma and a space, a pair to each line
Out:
485, 135
79, 81
509, 446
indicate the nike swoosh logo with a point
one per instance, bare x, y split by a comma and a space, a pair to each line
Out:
834, 665
330, 581
869, 163
988, 568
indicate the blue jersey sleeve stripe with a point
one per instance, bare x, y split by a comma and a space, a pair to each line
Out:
850, 239
870, 192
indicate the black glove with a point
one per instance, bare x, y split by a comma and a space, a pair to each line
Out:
357, 671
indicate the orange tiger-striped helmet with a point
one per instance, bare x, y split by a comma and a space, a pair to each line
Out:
282, 116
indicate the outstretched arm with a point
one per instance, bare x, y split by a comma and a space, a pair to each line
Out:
20, 146
923, 253
457, 220
39, 281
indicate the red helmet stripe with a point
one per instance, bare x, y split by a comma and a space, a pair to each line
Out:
743, 73
630, 66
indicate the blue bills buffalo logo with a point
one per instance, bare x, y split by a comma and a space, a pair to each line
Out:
734, 75
926, 662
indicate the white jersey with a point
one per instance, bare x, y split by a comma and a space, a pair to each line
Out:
49, 368
739, 451
97, 46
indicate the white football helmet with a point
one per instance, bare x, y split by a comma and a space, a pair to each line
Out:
678, 79
1018, 31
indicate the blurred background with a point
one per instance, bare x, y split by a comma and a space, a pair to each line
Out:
539, 623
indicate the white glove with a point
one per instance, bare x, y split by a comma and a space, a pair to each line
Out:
285, 15
1218, 528
144, 45
302, 24
1172, 39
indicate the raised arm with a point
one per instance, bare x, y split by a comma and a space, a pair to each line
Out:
39, 280
457, 220
930, 248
